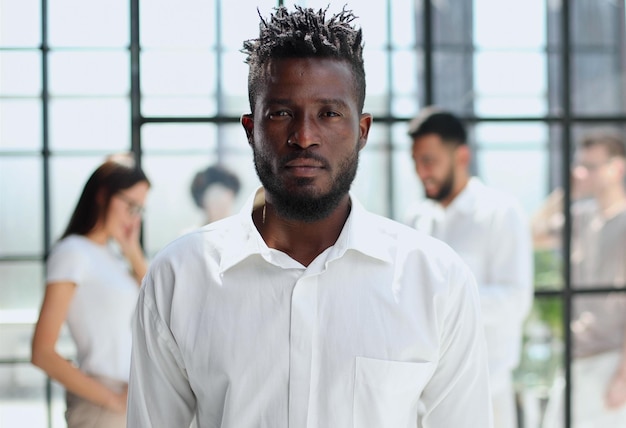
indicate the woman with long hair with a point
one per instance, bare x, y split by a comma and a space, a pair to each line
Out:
93, 277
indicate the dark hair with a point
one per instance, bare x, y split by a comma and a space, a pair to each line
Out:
215, 174
439, 122
118, 172
611, 140
305, 33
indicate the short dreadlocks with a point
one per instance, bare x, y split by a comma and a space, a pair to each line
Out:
305, 33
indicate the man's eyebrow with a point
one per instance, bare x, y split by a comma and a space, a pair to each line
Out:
337, 102
332, 101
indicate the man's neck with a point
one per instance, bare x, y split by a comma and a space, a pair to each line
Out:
302, 241
612, 201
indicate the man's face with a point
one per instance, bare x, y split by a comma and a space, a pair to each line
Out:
435, 164
306, 132
595, 171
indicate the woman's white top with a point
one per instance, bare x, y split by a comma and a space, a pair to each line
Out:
101, 310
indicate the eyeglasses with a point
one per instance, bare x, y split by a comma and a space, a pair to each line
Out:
134, 208
593, 167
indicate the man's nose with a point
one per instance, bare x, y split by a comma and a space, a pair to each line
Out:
305, 133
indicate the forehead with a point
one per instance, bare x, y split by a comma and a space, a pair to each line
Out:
323, 78
429, 144
593, 152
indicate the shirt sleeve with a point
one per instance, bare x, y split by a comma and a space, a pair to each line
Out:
458, 393
67, 262
159, 391
509, 292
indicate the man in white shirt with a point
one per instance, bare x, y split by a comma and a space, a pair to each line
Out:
305, 310
488, 229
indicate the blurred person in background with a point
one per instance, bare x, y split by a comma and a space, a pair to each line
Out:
598, 260
93, 277
214, 191
490, 232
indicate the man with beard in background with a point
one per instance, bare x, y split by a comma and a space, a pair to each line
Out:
489, 230
306, 310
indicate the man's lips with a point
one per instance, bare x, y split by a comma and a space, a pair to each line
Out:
304, 163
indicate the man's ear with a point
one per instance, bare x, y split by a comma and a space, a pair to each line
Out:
365, 123
464, 155
619, 165
248, 125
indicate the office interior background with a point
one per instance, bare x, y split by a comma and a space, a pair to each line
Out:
166, 80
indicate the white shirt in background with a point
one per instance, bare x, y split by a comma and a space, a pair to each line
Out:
490, 232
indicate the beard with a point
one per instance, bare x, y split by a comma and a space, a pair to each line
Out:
446, 187
299, 201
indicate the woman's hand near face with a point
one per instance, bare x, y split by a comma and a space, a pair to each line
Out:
128, 240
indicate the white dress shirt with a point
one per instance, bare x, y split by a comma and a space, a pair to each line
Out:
490, 232
243, 336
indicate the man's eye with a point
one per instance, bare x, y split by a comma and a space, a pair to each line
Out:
331, 114
280, 113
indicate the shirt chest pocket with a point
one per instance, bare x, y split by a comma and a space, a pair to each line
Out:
386, 393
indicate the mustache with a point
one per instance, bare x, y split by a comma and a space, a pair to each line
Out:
304, 155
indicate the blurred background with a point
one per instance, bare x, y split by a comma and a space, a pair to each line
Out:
166, 80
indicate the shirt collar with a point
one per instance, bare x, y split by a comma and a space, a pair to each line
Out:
359, 233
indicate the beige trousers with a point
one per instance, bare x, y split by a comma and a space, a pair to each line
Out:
83, 413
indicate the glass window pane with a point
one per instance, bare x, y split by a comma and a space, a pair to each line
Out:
232, 139
22, 396
372, 18
495, 169
179, 137
404, 80
68, 176
174, 106
93, 23
597, 83
90, 124
596, 23
176, 83
555, 84
20, 124
247, 21
234, 82
20, 23
505, 24
20, 295
510, 83
404, 28
371, 183
21, 218
453, 90
377, 78
407, 188
184, 23
539, 378
89, 73
20, 73
452, 22
177, 73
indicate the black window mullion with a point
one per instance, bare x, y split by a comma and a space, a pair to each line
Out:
566, 103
